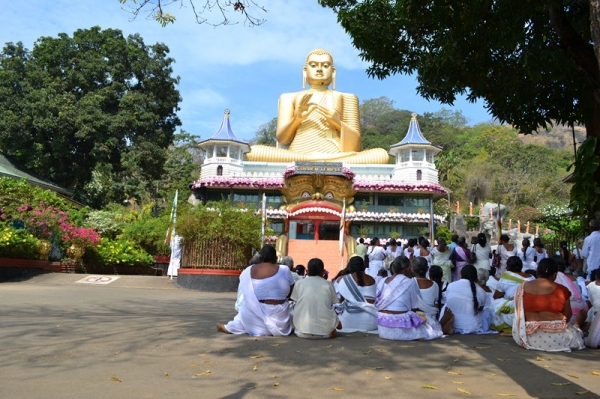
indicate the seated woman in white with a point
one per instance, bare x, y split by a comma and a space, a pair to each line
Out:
397, 304
357, 292
265, 308
466, 299
504, 295
430, 296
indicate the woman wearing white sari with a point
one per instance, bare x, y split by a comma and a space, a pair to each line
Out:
570, 283
430, 297
397, 303
504, 295
483, 252
466, 300
505, 250
527, 255
376, 256
265, 308
593, 339
542, 308
357, 292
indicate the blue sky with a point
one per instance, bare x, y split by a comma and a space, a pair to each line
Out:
240, 68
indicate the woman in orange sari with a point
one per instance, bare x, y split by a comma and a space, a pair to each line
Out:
542, 308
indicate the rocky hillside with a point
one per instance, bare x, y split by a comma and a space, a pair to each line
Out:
559, 137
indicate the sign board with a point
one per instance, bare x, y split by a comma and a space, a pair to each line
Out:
319, 168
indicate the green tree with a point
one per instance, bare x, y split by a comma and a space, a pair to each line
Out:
95, 103
533, 63
265, 135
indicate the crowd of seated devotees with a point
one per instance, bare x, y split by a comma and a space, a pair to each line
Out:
412, 303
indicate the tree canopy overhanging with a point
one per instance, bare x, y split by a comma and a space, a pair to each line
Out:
533, 63
97, 98
157, 10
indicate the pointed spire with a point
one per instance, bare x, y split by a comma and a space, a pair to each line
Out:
414, 135
225, 132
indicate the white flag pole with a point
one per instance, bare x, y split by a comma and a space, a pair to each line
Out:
264, 219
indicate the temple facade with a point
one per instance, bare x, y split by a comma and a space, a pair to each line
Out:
306, 200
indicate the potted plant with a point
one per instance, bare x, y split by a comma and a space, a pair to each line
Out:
363, 231
77, 239
217, 245
43, 223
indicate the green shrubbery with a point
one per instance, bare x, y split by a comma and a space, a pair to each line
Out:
17, 243
118, 252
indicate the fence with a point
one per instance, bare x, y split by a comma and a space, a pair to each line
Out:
214, 254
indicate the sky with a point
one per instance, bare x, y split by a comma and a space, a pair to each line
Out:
236, 67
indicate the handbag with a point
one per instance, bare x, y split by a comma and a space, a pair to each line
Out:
496, 259
473, 256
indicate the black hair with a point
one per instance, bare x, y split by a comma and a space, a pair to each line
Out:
514, 264
356, 264
454, 238
560, 263
442, 244
537, 242
400, 264
315, 267
425, 243
595, 225
547, 267
392, 242
565, 252
469, 272
361, 240
412, 242
436, 274
482, 239
268, 254
595, 275
420, 266
533, 272
461, 242
382, 272
300, 270
374, 241
504, 238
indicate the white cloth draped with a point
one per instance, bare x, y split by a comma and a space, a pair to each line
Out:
256, 318
459, 298
549, 336
355, 313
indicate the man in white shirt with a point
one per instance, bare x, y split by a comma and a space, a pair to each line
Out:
314, 316
591, 248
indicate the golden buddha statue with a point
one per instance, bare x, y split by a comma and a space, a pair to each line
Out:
318, 124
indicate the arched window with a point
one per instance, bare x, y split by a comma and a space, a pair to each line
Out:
419, 174
220, 170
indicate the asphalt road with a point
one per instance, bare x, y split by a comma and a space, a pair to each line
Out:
144, 337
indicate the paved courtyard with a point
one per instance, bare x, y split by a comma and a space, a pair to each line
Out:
144, 337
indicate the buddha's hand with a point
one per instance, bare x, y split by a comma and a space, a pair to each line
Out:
304, 109
331, 117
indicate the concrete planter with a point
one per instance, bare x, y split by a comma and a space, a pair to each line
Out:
209, 280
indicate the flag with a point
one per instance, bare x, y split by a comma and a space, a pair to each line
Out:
172, 221
499, 222
264, 219
342, 222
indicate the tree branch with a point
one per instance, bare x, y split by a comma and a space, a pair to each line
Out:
154, 9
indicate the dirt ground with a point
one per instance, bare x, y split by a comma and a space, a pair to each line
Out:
144, 337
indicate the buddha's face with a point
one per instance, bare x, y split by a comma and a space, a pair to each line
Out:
319, 69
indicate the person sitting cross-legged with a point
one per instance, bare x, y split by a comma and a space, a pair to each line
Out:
314, 316
265, 309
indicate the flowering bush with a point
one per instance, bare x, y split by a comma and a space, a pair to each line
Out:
84, 236
42, 221
17, 243
121, 252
